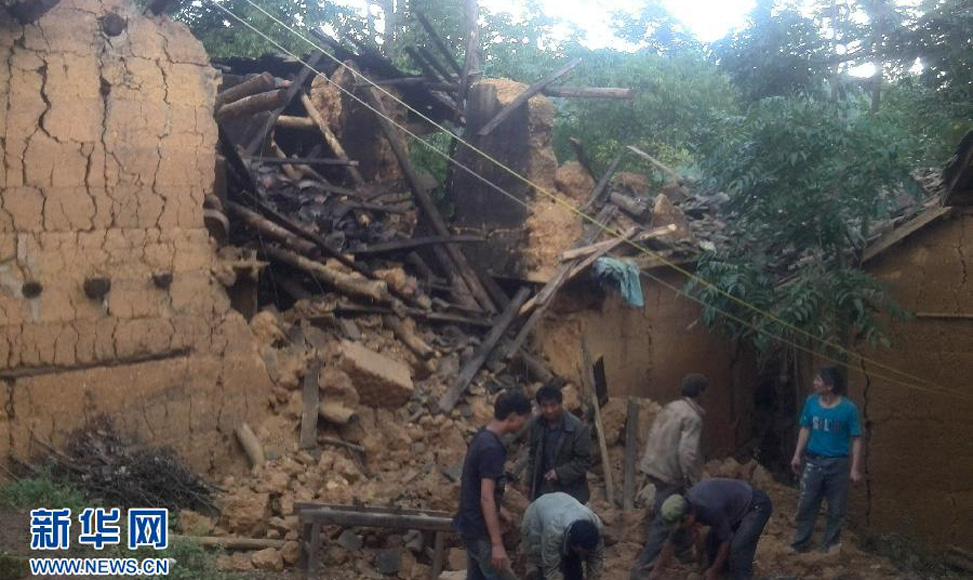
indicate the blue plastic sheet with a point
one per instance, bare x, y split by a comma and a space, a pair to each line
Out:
622, 274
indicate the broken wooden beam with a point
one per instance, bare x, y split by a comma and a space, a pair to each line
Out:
473, 366
292, 122
413, 243
588, 377
437, 41
261, 83
598, 247
376, 290
634, 207
258, 103
309, 416
601, 188
350, 517
263, 226
251, 445
660, 165
329, 137
339, 443
297, 85
301, 161
410, 339
457, 265
590, 93
471, 60
631, 449
525, 96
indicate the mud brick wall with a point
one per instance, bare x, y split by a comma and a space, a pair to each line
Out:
108, 151
649, 350
919, 444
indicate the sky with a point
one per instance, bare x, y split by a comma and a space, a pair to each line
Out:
708, 19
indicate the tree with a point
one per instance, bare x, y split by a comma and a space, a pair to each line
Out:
805, 181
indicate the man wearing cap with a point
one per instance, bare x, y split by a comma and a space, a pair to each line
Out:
561, 537
672, 462
736, 514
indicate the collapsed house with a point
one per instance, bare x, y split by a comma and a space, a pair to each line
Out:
248, 267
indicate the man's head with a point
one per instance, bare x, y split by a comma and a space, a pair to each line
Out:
829, 380
583, 537
511, 410
549, 399
694, 385
677, 513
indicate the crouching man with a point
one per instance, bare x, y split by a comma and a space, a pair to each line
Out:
561, 537
736, 514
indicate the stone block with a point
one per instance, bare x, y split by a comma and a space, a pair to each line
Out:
379, 380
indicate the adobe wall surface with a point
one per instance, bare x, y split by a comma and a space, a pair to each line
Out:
647, 352
920, 443
108, 151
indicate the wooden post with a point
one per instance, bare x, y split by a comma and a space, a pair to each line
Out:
588, 375
314, 551
309, 417
631, 449
439, 544
466, 374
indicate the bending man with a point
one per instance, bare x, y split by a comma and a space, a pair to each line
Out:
562, 537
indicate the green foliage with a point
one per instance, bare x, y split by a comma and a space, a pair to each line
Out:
805, 179
675, 97
13, 567
776, 54
42, 491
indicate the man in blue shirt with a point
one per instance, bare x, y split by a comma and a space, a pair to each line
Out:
481, 491
830, 430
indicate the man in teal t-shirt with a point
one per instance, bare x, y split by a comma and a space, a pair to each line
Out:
830, 432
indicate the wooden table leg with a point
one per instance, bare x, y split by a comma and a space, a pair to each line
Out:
437, 556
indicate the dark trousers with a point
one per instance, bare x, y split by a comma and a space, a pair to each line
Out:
746, 534
659, 533
478, 566
823, 477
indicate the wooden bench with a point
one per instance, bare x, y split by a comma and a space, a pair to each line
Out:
314, 515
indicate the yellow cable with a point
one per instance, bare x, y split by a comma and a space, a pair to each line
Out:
936, 388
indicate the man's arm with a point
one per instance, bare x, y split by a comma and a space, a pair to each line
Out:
596, 561
551, 554
498, 554
662, 562
802, 439
722, 553
856, 459
690, 461
577, 467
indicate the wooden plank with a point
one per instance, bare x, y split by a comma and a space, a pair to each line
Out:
309, 417
601, 188
662, 166
527, 94
439, 545
231, 543
329, 137
349, 518
301, 161
314, 551
469, 370
588, 377
592, 248
437, 41
413, 243
631, 451
296, 85
590, 93
902, 232
391, 509
457, 265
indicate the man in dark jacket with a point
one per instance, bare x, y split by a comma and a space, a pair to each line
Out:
560, 449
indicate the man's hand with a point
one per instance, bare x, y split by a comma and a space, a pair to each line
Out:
550, 476
498, 558
796, 464
711, 574
856, 476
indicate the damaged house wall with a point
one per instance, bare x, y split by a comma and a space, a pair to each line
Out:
647, 352
919, 445
107, 302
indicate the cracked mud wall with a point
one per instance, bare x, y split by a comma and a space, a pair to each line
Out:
108, 151
648, 351
919, 445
